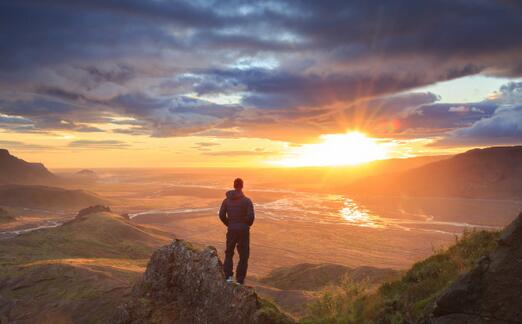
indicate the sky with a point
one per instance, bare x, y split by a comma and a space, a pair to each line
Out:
240, 83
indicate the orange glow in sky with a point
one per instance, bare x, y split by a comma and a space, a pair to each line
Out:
337, 149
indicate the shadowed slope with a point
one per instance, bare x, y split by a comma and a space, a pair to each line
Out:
408, 299
490, 292
494, 172
15, 170
46, 197
5, 216
307, 276
78, 272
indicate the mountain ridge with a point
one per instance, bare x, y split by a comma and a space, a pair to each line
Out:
493, 173
40, 196
14, 170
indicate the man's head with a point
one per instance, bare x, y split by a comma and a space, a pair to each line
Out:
238, 184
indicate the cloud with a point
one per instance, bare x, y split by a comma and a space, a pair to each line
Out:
103, 144
22, 146
273, 90
448, 116
305, 65
502, 126
204, 146
176, 115
255, 152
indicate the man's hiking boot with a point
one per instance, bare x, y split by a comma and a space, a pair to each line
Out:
230, 280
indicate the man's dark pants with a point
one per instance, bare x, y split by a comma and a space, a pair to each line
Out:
241, 239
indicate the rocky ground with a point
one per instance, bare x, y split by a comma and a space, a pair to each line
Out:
183, 284
491, 292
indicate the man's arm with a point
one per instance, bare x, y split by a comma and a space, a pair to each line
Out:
250, 213
223, 212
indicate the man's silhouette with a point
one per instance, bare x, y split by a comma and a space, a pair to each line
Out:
237, 213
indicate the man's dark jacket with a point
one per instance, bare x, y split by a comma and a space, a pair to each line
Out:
237, 211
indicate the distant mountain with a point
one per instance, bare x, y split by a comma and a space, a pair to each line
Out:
494, 172
334, 179
86, 173
46, 197
17, 171
79, 272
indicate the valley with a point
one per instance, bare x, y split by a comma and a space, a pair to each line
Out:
57, 262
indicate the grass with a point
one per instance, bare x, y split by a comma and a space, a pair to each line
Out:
84, 265
270, 313
102, 235
407, 299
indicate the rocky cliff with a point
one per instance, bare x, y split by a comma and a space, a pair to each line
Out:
183, 284
491, 292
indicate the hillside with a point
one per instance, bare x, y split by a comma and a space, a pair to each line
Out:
334, 179
34, 196
411, 298
494, 172
307, 276
490, 292
292, 288
79, 272
17, 171
5, 216
84, 272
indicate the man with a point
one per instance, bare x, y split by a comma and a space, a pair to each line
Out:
237, 213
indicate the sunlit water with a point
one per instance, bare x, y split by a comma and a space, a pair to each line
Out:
421, 214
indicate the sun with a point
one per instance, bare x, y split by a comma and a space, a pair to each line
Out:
336, 150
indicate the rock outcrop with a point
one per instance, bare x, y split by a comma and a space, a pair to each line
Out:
183, 284
93, 209
491, 292
5, 216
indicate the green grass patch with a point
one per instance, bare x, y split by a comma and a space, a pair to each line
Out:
271, 314
407, 299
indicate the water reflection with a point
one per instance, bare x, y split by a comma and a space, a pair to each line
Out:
355, 215
428, 214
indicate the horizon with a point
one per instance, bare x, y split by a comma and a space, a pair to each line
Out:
189, 84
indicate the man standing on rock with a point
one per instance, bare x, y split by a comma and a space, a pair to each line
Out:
237, 213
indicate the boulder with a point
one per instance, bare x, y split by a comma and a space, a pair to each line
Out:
491, 292
183, 284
